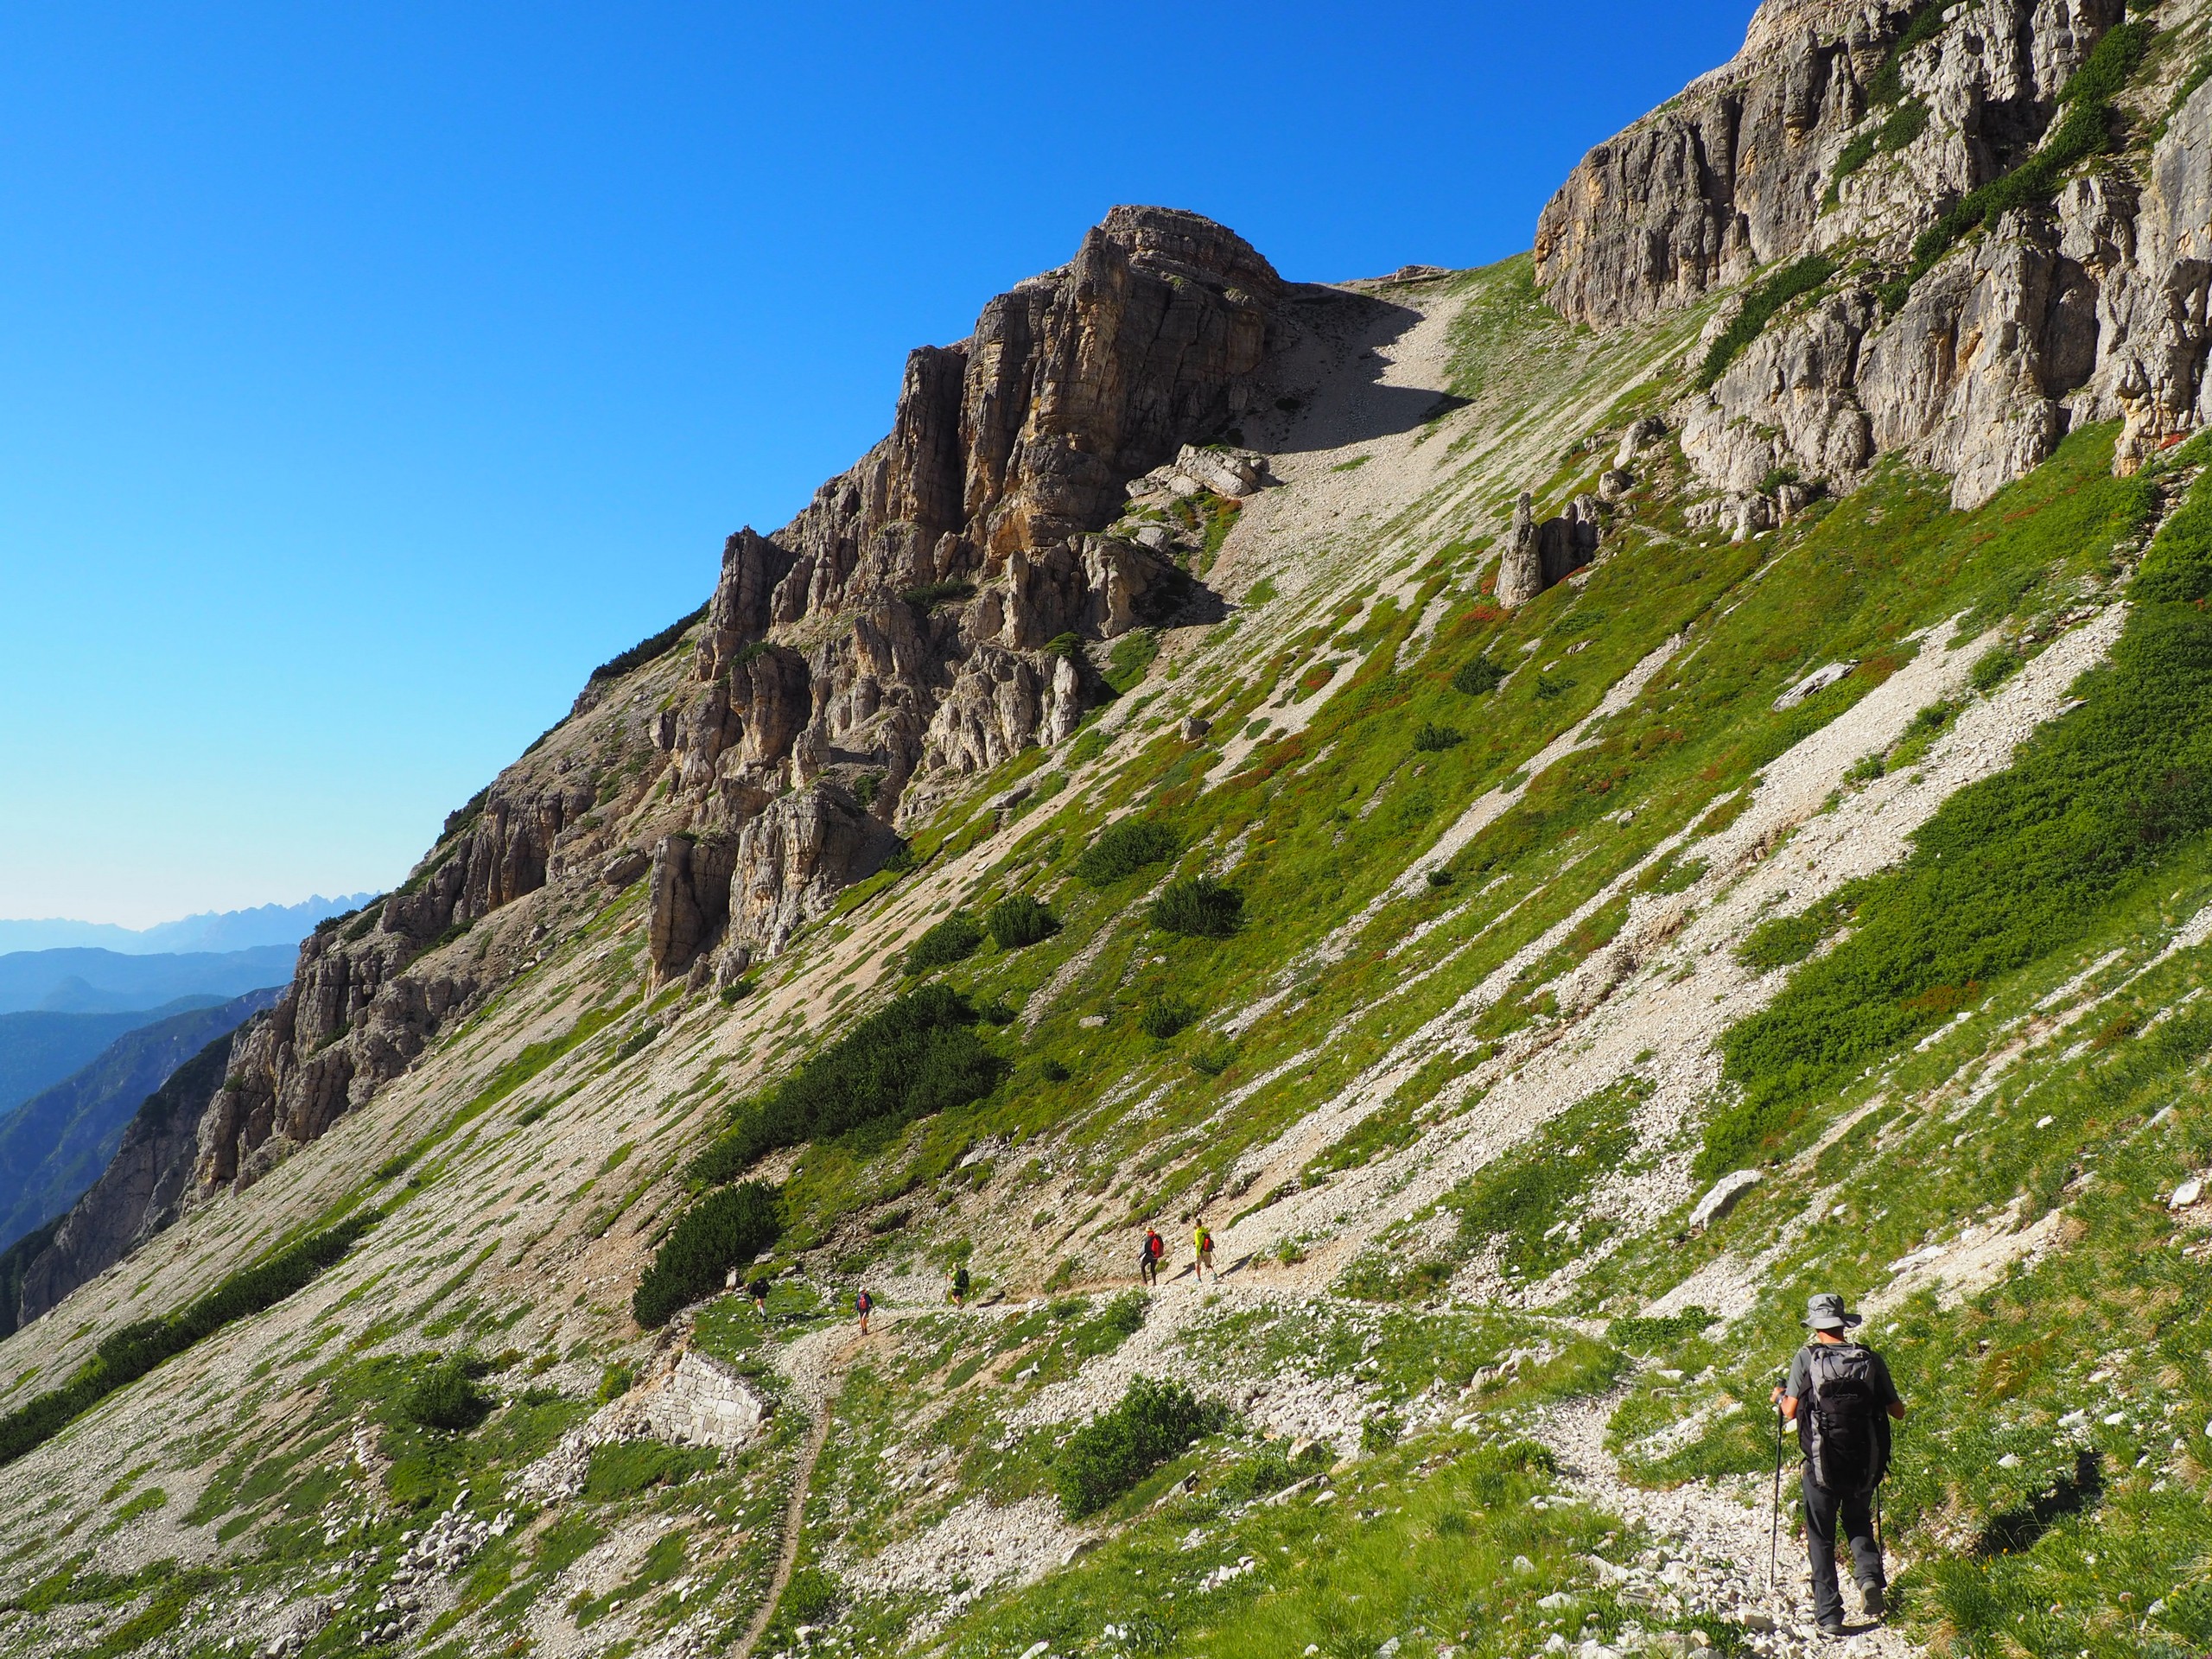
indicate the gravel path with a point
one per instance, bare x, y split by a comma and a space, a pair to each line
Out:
1712, 1542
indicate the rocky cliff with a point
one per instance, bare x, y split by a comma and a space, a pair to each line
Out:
924, 618
1993, 216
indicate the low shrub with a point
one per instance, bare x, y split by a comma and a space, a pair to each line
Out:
930, 594
918, 1055
1201, 906
1162, 1019
954, 939
445, 1397
1018, 920
638, 656
810, 1598
1800, 276
1432, 739
727, 1229
1109, 1456
1993, 667
1123, 848
627, 1467
1640, 1335
1381, 1431
1478, 678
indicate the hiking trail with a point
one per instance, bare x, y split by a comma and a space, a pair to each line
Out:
1712, 1540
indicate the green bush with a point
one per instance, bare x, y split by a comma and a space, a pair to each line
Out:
445, 1397
628, 1467
1784, 940
1198, 905
1381, 1431
1432, 739
1650, 1336
637, 657
1478, 678
1018, 920
810, 1598
1800, 276
1106, 1457
1123, 848
1162, 1019
930, 594
130, 1353
1993, 667
918, 1055
2008, 869
1270, 1470
954, 939
727, 1229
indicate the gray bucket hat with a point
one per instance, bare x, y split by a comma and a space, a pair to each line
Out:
1826, 1312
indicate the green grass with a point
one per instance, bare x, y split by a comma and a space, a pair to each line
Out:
1792, 280
2007, 871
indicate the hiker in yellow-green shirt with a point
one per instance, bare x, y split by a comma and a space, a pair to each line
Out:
1202, 1252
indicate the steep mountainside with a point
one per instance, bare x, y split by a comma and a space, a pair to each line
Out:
55, 1144
1555, 809
38, 1050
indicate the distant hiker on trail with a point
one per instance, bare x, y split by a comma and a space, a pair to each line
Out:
863, 1305
958, 1295
1202, 1252
760, 1289
1839, 1396
1148, 1256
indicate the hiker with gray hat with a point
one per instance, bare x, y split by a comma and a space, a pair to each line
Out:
1840, 1397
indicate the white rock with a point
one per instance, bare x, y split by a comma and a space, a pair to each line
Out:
2188, 1193
2010, 1460
1722, 1197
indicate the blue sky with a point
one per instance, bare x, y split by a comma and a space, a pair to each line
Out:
369, 373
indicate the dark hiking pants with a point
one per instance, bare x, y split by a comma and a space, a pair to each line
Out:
1823, 1508
1147, 1269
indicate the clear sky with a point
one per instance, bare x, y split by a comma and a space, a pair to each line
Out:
370, 372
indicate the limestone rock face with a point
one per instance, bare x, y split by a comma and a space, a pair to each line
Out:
2092, 309
792, 860
895, 630
890, 641
1540, 556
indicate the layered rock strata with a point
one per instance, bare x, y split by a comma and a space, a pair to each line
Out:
2090, 309
924, 618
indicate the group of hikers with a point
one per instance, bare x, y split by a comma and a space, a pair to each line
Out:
1154, 1250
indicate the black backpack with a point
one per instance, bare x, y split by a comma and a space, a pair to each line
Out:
1843, 1423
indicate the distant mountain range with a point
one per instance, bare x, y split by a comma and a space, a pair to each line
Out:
227, 930
39, 1047
54, 1144
81, 980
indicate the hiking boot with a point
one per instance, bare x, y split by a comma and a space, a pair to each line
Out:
1832, 1628
1875, 1601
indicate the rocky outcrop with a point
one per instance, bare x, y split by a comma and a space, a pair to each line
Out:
896, 631
2090, 309
1734, 173
923, 618
1540, 556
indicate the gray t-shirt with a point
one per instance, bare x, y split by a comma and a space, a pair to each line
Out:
1800, 1385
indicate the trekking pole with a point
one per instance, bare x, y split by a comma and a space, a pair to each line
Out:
1774, 1536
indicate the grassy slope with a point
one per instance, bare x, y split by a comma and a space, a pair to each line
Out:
1314, 826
